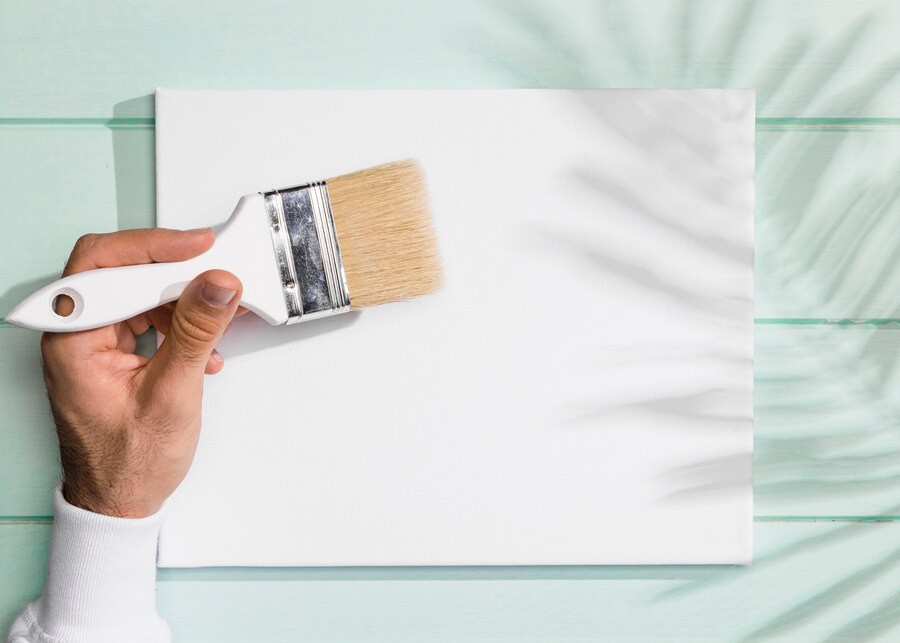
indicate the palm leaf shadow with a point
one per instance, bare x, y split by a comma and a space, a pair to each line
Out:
787, 465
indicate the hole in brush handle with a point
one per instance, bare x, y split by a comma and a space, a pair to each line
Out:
66, 303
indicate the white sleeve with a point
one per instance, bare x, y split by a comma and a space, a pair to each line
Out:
101, 582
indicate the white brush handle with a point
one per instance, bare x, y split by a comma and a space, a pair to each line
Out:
108, 295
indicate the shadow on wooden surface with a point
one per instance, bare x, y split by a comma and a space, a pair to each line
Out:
16, 293
689, 43
824, 243
134, 156
133, 167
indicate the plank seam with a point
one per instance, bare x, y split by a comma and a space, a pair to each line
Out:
111, 123
811, 321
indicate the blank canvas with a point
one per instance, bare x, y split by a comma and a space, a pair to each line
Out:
580, 391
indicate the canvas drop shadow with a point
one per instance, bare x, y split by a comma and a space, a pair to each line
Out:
134, 163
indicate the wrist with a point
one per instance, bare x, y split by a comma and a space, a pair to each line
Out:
115, 504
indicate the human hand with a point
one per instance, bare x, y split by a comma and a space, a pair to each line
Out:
128, 425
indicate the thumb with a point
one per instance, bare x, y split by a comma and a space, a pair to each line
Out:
201, 316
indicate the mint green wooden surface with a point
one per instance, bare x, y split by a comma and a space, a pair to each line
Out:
76, 155
819, 581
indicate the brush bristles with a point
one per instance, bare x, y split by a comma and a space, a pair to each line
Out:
384, 232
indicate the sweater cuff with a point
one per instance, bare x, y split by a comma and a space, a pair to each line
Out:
101, 578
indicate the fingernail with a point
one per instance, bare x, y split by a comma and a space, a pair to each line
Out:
215, 296
199, 230
216, 357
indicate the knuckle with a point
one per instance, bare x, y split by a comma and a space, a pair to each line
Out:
80, 254
84, 244
195, 331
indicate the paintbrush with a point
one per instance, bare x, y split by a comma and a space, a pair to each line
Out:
302, 253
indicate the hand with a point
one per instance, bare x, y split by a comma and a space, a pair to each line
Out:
128, 425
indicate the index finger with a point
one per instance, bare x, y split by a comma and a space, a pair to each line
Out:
129, 247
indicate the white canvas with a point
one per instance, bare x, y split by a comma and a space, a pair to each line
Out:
580, 392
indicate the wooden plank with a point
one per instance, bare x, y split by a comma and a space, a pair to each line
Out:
807, 58
23, 567
810, 582
57, 184
828, 206
827, 410
29, 454
828, 212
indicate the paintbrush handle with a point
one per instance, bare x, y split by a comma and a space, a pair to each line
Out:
108, 295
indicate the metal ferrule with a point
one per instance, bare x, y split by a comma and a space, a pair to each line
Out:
307, 252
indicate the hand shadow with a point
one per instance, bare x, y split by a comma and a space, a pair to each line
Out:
14, 295
251, 333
